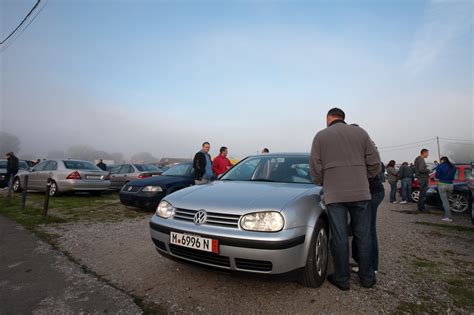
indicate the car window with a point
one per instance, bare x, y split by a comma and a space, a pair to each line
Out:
125, 169
467, 173
22, 165
3, 164
80, 165
147, 168
40, 166
51, 166
179, 170
286, 169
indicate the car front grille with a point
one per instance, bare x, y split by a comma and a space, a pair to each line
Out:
256, 265
213, 218
199, 256
161, 245
129, 188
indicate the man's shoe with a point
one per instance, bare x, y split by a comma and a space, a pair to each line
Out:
340, 287
403, 202
368, 286
447, 220
394, 201
355, 269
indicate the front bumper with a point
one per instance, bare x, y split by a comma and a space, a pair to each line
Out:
239, 250
143, 200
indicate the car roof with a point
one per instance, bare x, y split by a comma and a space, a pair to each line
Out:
282, 154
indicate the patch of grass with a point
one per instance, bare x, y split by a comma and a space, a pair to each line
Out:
412, 308
450, 227
462, 291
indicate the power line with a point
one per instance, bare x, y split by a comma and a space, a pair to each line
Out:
409, 144
464, 140
14, 32
406, 147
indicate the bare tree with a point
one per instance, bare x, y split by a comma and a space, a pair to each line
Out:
8, 142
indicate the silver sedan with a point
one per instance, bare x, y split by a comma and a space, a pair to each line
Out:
263, 216
66, 175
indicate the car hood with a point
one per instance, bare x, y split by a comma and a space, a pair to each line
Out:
162, 180
239, 197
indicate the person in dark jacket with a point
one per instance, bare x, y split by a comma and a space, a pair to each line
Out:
423, 174
406, 175
102, 165
202, 164
392, 175
445, 173
12, 169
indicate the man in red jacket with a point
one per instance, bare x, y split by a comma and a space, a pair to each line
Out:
221, 163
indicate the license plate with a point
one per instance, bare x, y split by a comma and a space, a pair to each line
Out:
93, 177
195, 242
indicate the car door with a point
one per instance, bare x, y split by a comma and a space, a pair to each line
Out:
35, 174
46, 173
121, 177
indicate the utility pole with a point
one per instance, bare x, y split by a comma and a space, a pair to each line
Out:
439, 152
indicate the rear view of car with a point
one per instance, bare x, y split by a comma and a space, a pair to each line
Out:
66, 176
127, 172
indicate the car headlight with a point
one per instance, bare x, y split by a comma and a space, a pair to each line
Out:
152, 188
270, 221
165, 210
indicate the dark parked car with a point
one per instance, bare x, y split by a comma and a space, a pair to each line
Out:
460, 200
22, 165
147, 193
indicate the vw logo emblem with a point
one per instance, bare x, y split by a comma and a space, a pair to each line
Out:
200, 217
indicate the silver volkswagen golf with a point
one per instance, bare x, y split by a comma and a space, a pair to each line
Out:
263, 216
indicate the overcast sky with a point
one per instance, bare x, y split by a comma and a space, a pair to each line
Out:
164, 76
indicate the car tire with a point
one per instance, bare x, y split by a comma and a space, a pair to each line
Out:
17, 185
53, 190
415, 195
458, 203
314, 272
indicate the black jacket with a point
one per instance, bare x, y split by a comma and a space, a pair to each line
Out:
199, 164
102, 166
12, 165
405, 172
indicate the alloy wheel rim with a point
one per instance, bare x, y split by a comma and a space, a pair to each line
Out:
16, 184
52, 190
458, 203
321, 251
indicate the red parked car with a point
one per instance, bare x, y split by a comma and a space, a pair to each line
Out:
463, 174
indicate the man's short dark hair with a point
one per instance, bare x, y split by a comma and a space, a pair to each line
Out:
337, 112
265, 150
204, 143
424, 150
222, 149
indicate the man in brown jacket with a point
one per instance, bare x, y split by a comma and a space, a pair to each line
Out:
342, 159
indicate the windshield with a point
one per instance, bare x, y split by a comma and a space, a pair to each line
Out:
147, 168
3, 164
285, 169
179, 170
80, 165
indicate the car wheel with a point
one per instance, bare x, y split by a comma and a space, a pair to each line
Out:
459, 203
315, 270
53, 191
415, 195
17, 185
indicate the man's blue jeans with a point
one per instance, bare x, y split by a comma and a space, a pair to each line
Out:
406, 189
377, 199
360, 225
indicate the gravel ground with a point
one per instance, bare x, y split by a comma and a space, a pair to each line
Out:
424, 268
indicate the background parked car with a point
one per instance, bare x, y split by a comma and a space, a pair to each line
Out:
463, 175
66, 175
459, 200
128, 172
22, 165
147, 193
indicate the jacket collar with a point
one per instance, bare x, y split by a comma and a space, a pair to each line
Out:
337, 121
